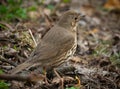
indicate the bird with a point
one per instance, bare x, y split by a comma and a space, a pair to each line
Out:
58, 44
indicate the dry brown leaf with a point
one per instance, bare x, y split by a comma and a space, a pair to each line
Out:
37, 77
112, 4
94, 31
88, 10
76, 59
66, 78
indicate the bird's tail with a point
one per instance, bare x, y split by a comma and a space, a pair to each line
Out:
20, 67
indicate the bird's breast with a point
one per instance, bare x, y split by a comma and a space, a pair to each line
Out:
71, 52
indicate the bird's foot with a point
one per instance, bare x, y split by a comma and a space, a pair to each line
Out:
61, 79
46, 81
78, 82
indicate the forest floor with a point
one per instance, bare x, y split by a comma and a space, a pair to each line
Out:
97, 58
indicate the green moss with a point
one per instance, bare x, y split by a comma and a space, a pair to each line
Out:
12, 10
3, 84
115, 59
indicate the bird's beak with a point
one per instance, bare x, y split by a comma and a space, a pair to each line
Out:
82, 19
82, 15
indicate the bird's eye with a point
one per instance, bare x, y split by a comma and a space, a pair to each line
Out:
75, 18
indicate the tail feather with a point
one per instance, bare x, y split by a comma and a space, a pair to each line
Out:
20, 67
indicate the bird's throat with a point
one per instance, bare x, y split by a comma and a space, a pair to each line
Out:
74, 28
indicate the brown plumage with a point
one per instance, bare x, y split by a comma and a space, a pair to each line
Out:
57, 45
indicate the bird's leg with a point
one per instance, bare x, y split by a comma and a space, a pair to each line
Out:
58, 75
45, 73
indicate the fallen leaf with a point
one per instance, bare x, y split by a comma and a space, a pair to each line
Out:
112, 4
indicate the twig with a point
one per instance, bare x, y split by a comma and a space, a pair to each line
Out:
32, 37
7, 26
29, 78
6, 67
7, 61
48, 20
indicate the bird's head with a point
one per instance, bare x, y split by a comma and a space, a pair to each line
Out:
70, 18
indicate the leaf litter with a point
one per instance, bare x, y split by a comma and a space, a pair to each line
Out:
97, 59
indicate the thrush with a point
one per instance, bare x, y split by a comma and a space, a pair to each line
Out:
58, 44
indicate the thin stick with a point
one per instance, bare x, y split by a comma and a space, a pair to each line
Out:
7, 61
32, 37
17, 77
